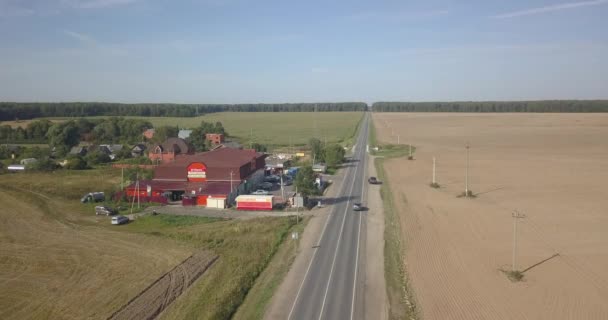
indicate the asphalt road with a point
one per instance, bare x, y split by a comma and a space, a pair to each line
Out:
332, 287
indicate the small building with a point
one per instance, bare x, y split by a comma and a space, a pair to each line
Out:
15, 167
138, 150
215, 138
28, 161
184, 134
319, 167
254, 202
78, 151
169, 150
149, 133
110, 149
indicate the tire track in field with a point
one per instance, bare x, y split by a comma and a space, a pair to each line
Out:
162, 292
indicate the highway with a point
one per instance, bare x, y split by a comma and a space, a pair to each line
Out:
332, 287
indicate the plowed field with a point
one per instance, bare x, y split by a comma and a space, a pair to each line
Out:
551, 167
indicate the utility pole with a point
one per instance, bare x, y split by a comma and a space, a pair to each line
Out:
516, 215
434, 182
398, 139
282, 188
231, 173
466, 178
122, 177
410, 151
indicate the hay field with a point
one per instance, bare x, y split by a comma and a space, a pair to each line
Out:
551, 167
56, 264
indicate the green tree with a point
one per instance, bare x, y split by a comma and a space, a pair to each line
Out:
305, 181
43, 165
316, 149
164, 132
197, 137
96, 157
76, 163
334, 155
259, 147
63, 136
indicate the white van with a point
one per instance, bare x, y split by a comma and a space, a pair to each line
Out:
120, 220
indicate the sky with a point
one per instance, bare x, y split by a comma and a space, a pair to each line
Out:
267, 51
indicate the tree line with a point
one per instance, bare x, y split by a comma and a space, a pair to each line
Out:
495, 106
23, 111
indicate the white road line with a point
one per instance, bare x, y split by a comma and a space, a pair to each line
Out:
314, 254
333, 263
352, 306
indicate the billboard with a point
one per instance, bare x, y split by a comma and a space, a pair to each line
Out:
197, 172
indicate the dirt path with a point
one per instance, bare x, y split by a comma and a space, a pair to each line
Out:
376, 300
160, 294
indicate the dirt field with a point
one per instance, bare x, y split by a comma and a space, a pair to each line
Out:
54, 268
551, 167
152, 301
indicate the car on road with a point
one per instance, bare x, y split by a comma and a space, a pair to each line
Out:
357, 206
105, 210
266, 185
119, 220
373, 180
260, 192
272, 178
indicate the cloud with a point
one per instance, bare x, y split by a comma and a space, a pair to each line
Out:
551, 8
96, 4
396, 16
81, 37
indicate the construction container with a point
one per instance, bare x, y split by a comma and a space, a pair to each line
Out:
216, 202
254, 202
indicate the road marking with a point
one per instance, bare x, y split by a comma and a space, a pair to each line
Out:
333, 263
315, 253
352, 306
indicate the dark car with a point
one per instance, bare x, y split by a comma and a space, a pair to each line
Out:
104, 210
372, 180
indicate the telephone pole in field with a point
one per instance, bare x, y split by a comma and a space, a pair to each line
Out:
516, 216
466, 178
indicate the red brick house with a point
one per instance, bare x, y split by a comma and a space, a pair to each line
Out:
169, 150
215, 138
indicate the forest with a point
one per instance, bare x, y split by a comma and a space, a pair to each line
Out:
495, 106
24, 111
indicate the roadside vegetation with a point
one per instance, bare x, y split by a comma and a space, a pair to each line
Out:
399, 292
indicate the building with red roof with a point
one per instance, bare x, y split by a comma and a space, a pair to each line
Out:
218, 173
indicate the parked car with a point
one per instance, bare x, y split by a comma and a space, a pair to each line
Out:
272, 178
105, 210
357, 206
373, 180
266, 185
260, 192
119, 220
93, 197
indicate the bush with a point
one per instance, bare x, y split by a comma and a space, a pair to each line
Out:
43, 165
97, 157
76, 163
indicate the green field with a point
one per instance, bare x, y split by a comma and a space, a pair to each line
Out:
275, 128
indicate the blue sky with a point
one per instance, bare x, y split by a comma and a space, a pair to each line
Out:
241, 51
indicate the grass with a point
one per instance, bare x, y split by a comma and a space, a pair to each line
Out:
261, 293
400, 296
514, 275
245, 248
276, 128
468, 194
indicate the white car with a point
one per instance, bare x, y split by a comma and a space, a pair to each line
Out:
120, 220
260, 192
